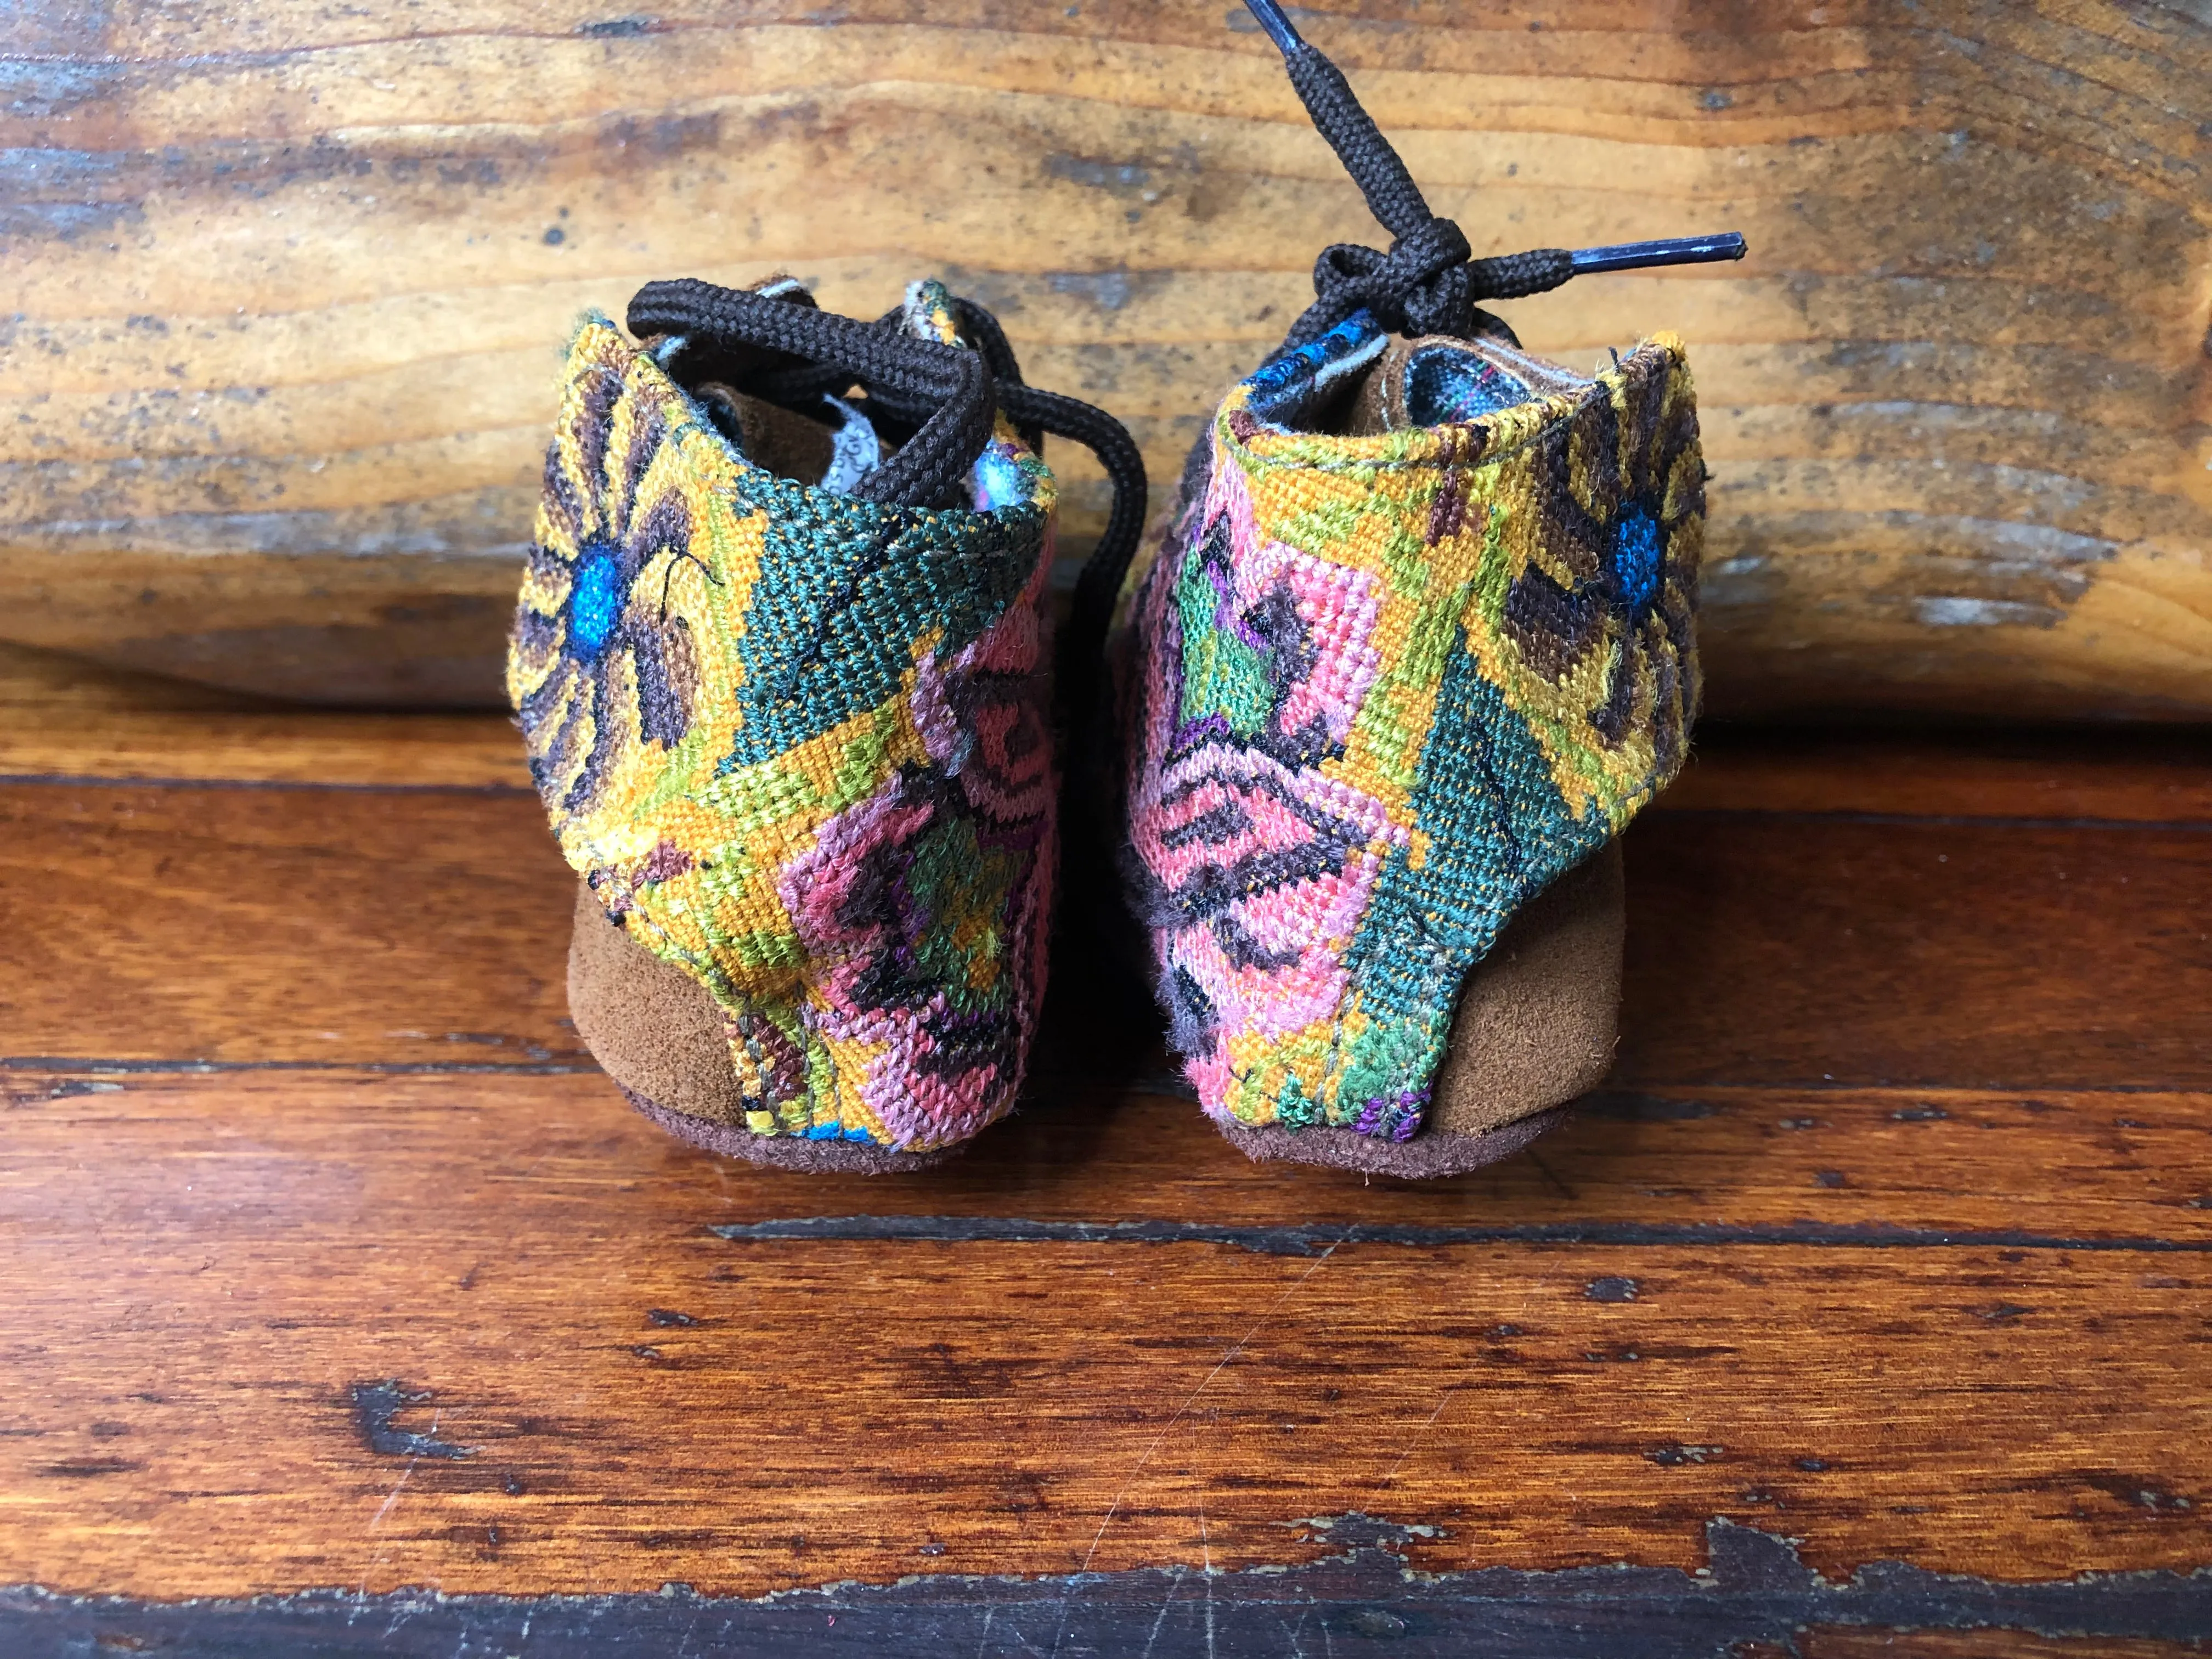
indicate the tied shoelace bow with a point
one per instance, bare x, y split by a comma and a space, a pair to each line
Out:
936, 401
1429, 282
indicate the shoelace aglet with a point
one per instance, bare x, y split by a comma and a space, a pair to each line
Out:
1639, 255
1278, 25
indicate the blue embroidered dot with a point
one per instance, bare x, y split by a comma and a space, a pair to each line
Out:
822, 1131
997, 481
595, 600
1636, 552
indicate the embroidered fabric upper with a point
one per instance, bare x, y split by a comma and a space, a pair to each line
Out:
1378, 691
796, 742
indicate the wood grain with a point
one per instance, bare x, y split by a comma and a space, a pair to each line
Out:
76, 718
2148, 775
1804, 950
284, 287
1779, 947
640, 1399
2086, 1171
72, 718
343, 926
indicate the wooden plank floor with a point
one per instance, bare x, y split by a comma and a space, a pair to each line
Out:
348, 1310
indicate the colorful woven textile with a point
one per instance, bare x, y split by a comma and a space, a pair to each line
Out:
796, 742
1376, 692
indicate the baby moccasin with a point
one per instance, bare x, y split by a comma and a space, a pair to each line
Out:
1418, 643
780, 659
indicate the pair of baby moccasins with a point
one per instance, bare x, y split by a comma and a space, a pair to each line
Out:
1351, 735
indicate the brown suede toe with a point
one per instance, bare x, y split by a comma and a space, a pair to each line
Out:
1535, 1027
658, 1035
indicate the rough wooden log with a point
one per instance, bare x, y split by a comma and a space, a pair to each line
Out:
284, 286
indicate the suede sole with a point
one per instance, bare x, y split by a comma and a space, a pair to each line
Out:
787, 1152
1536, 1026
1424, 1158
656, 1031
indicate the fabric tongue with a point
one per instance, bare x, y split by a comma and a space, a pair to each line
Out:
832, 454
1435, 380
837, 459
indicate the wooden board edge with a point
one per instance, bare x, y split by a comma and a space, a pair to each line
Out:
1755, 1590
